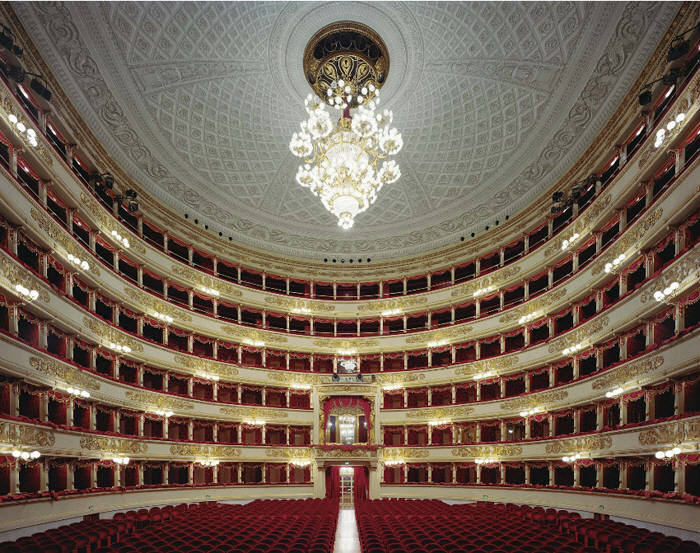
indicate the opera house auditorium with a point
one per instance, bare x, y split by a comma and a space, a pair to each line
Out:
349, 277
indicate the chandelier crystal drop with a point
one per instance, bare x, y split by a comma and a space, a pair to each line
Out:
343, 161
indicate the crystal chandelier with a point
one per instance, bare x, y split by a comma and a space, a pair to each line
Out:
344, 162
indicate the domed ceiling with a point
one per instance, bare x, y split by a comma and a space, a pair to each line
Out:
197, 101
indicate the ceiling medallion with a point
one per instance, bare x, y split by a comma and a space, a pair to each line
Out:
346, 64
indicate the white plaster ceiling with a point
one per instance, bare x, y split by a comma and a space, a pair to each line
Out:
197, 102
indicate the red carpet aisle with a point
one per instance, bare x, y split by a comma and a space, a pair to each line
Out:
262, 526
346, 536
431, 526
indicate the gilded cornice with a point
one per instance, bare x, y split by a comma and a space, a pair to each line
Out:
581, 225
202, 280
626, 373
440, 413
355, 389
289, 452
14, 274
536, 399
577, 445
335, 344
375, 307
109, 334
540, 303
387, 379
389, 453
674, 433
65, 373
345, 453
304, 306
488, 365
252, 336
160, 401
244, 413
8, 105
209, 368
629, 239
59, 236
19, 434
487, 451
291, 380
151, 305
106, 223
205, 451
113, 445
444, 334
685, 271
582, 334
496, 279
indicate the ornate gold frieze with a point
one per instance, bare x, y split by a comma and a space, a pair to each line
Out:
587, 443
495, 279
201, 280
291, 380
253, 413
109, 334
626, 373
253, 337
18, 434
673, 433
194, 450
582, 224
444, 334
489, 451
403, 304
582, 334
388, 379
211, 368
159, 400
488, 365
687, 269
15, 274
299, 305
439, 413
113, 445
152, 305
351, 388
65, 373
389, 453
106, 223
9, 107
630, 239
289, 452
537, 399
345, 453
539, 303
54, 231
333, 344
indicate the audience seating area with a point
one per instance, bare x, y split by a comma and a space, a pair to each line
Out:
431, 526
262, 526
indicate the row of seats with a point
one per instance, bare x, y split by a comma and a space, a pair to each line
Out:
422, 526
262, 526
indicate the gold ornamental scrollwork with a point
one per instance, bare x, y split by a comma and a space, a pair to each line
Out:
588, 443
111, 335
65, 373
18, 434
582, 334
332, 344
631, 238
54, 231
152, 305
686, 270
299, 305
15, 274
533, 306
440, 413
495, 279
478, 451
396, 303
351, 388
113, 445
194, 450
388, 379
446, 334
211, 368
344, 454
9, 107
626, 373
582, 224
488, 365
673, 433
253, 413
404, 453
201, 280
289, 452
159, 400
537, 399
253, 337
106, 222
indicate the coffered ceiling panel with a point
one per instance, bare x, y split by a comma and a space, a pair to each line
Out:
197, 101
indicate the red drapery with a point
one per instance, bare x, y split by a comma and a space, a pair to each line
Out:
361, 483
346, 402
333, 482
